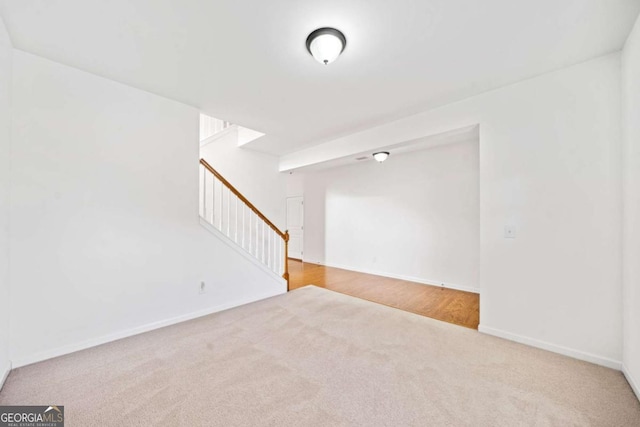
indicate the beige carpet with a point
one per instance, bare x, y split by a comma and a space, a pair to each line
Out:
315, 357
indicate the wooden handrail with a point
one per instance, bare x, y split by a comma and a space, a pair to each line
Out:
204, 163
284, 236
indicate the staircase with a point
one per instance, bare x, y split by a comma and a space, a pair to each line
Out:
224, 208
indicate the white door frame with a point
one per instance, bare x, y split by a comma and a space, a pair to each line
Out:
296, 231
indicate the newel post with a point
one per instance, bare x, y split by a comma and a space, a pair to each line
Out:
285, 276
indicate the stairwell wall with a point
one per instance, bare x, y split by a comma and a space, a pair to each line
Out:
5, 146
631, 207
106, 240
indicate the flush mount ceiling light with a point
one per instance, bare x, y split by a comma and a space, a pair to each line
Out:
381, 156
326, 44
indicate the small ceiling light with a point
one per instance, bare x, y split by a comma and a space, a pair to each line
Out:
326, 44
381, 156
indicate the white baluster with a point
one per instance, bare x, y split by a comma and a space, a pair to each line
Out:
275, 252
258, 239
243, 225
269, 247
236, 218
228, 212
203, 189
281, 256
212, 213
269, 253
274, 262
263, 240
221, 219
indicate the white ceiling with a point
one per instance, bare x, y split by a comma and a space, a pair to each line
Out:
245, 61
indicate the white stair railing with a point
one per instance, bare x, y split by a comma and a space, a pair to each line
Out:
209, 126
227, 210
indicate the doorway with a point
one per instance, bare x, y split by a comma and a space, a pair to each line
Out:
295, 225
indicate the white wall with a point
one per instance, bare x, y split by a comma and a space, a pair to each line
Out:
631, 206
550, 160
254, 174
5, 127
415, 216
295, 184
105, 234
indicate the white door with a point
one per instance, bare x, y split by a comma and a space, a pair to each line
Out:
295, 225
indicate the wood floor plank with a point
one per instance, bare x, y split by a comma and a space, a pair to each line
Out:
449, 305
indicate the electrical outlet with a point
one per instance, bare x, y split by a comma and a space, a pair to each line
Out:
202, 287
509, 232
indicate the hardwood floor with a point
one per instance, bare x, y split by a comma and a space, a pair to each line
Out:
458, 307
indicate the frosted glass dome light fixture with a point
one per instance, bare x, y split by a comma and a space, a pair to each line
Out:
381, 156
326, 44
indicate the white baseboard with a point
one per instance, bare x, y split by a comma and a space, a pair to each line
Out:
4, 373
576, 354
422, 281
635, 386
61, 351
